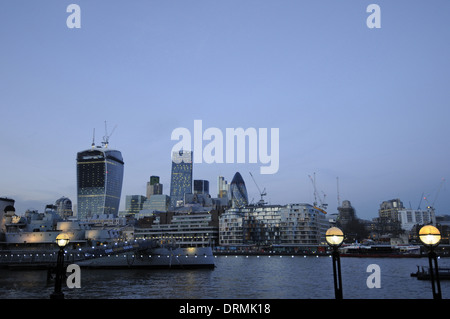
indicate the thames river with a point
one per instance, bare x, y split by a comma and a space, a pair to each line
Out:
238, 277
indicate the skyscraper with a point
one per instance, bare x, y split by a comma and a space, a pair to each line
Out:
239, 197
154, 187
201, 186
99, 181
181, 177
134, 203
222, 187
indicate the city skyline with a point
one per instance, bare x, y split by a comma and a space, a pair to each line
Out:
366, 105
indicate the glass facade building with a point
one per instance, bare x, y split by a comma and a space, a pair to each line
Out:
223, 188
239, 196
201, 186
158, 202
154, 187
99, 181
134, 203
285, 225
181, 177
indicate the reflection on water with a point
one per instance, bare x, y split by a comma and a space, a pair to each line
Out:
250, 277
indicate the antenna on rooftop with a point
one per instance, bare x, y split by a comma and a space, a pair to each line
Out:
93, 139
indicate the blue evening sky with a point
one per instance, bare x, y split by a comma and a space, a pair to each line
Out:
370, 106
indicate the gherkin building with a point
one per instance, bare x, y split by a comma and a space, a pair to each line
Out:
239, 197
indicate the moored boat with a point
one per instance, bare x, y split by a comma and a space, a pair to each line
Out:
136, 254
423, 273
393, 251
28, 242
171, 258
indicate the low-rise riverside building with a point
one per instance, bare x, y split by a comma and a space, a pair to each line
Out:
275, 226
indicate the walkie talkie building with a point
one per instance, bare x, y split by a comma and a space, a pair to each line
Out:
99, 181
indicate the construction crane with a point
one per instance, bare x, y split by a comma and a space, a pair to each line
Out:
418, 208
106, 137
437, 193
261, 202
435, 197
323, 206
338, 195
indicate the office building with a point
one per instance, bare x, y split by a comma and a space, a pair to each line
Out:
157, 202
223, 188
181, 177
223, 192
154, 187
239, 197
410, 217
389, 209
99, 181
154, 180
134, 203
201, 186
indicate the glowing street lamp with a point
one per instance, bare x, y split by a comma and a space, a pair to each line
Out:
335, 237
431, 237
61, 240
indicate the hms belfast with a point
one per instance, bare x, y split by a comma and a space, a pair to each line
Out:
98, 238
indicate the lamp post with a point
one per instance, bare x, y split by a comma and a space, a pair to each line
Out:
430, 237
334, 237
62, 240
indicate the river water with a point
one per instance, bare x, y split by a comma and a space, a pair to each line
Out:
237, 277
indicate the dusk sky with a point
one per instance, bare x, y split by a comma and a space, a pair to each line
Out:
370, 106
